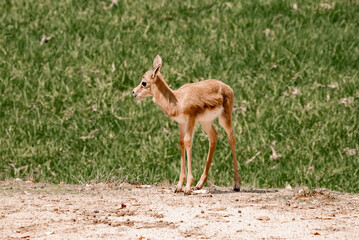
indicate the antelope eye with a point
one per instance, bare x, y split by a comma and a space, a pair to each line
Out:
144, 84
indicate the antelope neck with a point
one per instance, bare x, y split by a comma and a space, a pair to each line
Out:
164, 97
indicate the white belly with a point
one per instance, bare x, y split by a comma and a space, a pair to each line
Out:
209, 115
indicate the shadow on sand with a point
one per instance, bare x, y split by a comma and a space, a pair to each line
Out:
230, 190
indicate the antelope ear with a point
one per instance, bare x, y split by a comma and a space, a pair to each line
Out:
156, 71
157, 62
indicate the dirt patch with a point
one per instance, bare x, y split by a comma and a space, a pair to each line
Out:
123, 211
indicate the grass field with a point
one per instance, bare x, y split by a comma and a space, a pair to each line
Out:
67, 113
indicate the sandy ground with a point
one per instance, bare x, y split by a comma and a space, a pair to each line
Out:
124, 211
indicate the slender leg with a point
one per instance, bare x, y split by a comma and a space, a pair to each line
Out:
225, 120
188, 145
182, 178
212, 138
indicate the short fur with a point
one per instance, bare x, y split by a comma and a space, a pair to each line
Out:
202, 101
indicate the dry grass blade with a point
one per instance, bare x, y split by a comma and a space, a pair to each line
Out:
252, 158
45, 39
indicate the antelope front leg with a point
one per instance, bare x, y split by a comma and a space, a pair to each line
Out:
188, 146
183, 172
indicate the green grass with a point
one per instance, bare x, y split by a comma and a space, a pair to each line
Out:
67, 113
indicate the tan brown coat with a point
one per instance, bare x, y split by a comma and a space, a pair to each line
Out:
193, 102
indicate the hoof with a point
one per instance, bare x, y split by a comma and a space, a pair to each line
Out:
178, 189
200, 185
237, 187
187, 191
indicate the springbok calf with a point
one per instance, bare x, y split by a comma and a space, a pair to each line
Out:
194, 102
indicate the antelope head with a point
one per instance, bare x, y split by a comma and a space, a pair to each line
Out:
144, 89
